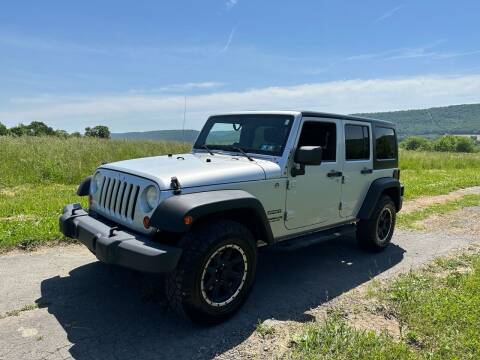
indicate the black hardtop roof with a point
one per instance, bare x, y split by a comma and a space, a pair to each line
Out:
347, 117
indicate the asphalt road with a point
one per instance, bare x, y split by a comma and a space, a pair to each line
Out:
88, 310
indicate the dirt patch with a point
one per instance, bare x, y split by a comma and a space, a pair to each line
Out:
11, 191
423, 202
20, 217
464, 221
271, 346
362, 312
359, 311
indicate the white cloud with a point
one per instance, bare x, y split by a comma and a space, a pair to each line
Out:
153, 111
401, 53
41, 44
231, 3
389, 13
190, 86
229, 40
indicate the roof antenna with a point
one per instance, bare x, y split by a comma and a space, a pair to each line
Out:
184, 118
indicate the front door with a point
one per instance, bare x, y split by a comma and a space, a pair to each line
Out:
313, 198
357, 167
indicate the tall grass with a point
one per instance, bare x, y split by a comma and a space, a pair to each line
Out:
416, 160
435, 173
37, 160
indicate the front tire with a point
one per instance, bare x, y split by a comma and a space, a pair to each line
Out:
375, 234
215, 273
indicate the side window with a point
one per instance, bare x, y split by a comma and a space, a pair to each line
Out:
357, 142
322, 134
386, 145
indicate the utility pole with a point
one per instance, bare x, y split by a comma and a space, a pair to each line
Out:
184, 119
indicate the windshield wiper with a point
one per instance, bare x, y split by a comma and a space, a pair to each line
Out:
239, 149
208, 149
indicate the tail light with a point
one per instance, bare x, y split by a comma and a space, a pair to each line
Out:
396, 174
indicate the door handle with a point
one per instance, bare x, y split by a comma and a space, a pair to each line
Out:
334, 173
366, 171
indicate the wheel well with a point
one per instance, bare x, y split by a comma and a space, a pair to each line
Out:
247, 217
394, 194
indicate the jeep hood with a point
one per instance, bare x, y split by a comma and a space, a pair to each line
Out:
194, 170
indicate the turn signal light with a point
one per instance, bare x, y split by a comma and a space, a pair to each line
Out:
188, 220
146, 222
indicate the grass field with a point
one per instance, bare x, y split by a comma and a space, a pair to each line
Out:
47, 160
40, 175
435, 173
437, 309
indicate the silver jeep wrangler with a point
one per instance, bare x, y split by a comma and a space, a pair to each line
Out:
251, 179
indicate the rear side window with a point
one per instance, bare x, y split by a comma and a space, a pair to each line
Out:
386, 144
357, 142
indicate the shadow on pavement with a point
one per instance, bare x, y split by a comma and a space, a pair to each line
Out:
113, 313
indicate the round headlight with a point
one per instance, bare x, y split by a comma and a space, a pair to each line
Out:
151, 196
96, 183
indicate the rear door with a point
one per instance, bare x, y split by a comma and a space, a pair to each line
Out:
357, 166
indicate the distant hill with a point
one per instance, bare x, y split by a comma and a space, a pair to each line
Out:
455, 119
160, 135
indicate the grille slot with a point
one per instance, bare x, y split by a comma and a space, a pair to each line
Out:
118, 198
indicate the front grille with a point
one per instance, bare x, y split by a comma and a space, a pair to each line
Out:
118, 198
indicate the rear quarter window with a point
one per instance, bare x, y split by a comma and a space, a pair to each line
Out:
385, 143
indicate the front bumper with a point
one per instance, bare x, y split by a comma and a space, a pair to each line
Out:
117, 247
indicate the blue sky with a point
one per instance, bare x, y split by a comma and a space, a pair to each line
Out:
128, 64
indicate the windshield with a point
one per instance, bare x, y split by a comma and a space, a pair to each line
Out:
256, 133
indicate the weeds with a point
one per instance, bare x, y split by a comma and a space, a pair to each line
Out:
439, 316
263, 329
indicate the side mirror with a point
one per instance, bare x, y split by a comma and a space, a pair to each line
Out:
306, 155
309, 155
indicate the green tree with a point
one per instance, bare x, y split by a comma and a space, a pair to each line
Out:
20, 130
38, 128
98, 131
3, 130
417, 143
61, 133
465, 144
75, 134
445, 143
454, 144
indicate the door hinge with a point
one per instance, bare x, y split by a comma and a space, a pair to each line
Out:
340, 206
291, 184
343, 179
288, 215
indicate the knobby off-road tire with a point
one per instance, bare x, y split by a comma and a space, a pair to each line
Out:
215, 273
376, 233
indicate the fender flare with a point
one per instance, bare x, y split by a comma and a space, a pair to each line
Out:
169, 215
377, 188
84, 187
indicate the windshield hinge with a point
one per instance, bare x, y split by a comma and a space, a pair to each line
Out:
175, 185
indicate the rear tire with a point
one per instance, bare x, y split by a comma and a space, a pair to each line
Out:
215, 273
375, 234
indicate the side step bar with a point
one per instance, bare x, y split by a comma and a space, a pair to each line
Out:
316, 238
